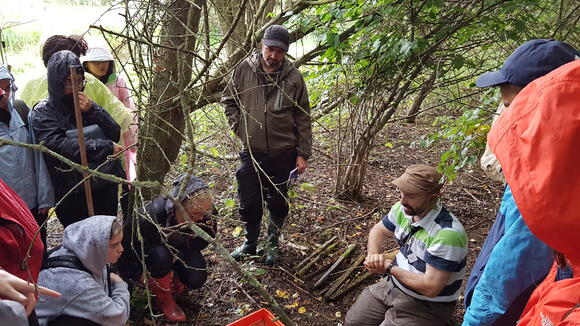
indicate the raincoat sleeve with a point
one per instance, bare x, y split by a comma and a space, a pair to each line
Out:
518, 261
45, 189
100, 117
230, 102
101, 95
303, 121
34, 91
124, 93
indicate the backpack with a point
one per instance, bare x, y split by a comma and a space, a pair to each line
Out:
72, 262
22, 110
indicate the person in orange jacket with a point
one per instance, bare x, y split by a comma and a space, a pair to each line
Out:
536, 142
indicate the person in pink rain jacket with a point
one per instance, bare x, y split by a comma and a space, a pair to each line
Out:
99, 62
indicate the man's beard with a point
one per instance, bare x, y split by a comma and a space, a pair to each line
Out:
273, 63
411, 211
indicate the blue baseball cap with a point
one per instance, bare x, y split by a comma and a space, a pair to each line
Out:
530, 61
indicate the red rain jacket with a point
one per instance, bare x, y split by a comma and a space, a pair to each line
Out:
17, 231
537, 141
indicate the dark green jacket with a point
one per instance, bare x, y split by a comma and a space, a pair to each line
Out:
269, 115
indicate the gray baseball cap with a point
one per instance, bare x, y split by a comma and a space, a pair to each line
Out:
278, 36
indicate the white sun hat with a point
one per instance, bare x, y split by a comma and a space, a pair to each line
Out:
97, 54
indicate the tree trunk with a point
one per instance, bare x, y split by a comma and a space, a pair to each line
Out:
425, 90
162, 132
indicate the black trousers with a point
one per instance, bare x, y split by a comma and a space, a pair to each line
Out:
64, 320
264, 179
74, 207
191, 267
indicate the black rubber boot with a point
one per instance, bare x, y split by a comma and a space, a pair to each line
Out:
273, 248
248, 248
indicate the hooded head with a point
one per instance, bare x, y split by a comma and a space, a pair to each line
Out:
7, 89
59, 89
89, 241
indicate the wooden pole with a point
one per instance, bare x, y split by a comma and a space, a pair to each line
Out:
81, 136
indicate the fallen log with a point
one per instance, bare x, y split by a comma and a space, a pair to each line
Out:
340, 259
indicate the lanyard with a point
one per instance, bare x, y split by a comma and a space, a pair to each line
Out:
414, 230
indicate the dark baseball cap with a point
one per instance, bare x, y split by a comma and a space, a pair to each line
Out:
278, 36
530, 61
419, 179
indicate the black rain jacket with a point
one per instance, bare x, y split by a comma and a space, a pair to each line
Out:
53, 116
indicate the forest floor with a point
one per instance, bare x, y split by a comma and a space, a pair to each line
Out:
317, 216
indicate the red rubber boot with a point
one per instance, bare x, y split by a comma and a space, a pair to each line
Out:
161, 288
177, 287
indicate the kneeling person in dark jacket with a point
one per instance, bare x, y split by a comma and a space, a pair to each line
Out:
52, 118
170, 245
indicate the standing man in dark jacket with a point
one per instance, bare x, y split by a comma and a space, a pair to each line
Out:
266, 103
52, 118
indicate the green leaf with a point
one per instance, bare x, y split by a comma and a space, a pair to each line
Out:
307, 186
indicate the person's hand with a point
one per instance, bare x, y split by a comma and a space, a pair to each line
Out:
85, 103
117, 148
376, 263
17, 289
301, 164
43, 211
116, 278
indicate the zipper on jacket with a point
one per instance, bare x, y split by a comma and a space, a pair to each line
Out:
266, 121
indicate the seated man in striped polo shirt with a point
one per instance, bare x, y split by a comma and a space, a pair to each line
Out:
422, 286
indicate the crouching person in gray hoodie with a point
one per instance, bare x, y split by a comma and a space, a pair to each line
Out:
79, 271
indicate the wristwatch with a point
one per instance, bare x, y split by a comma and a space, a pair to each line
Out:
388, 271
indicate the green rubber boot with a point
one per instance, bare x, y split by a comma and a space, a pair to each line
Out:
273, 248
248, 248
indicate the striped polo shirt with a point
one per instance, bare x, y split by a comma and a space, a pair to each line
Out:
439, 241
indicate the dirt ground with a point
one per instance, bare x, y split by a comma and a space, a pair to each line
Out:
317, 216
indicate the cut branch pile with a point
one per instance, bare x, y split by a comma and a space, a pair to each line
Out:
323, 261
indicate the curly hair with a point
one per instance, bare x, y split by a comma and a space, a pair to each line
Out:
74, 43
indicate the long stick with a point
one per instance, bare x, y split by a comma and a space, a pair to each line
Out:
335, 265
81, 136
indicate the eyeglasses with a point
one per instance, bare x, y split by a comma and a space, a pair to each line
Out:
81, 83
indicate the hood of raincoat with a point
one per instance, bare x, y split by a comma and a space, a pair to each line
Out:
5, 74
58, 70
536, 142
89, 241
